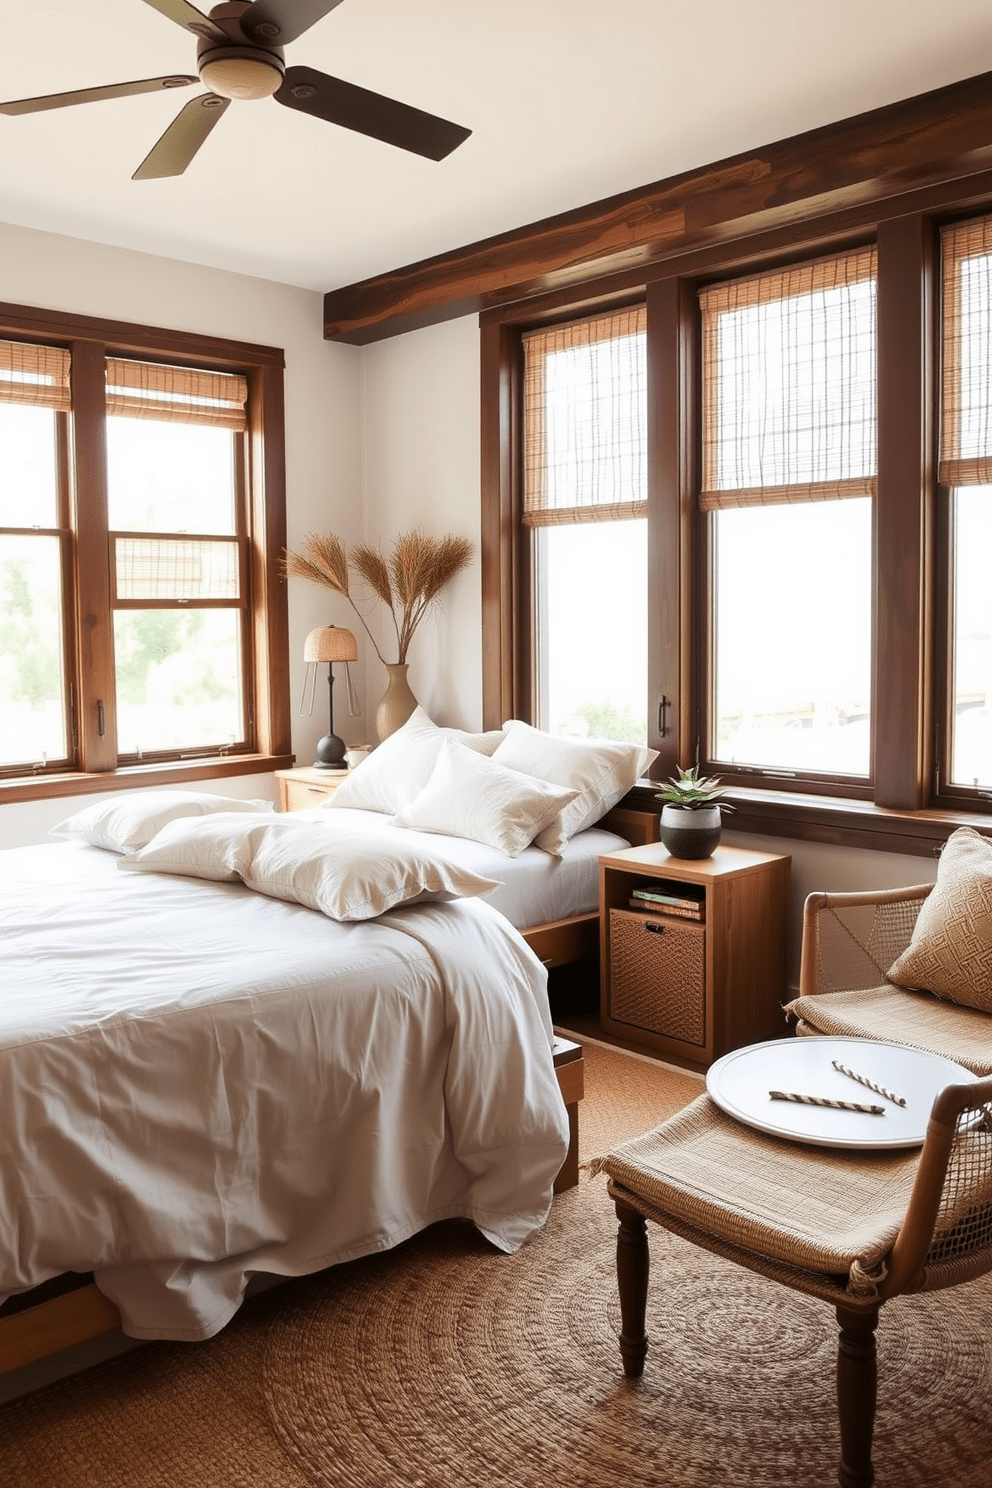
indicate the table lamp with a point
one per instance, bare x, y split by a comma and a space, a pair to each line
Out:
329, 643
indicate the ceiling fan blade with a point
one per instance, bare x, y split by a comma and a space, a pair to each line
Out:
279, 21
368, 113
187, 15
173, 152
94, 95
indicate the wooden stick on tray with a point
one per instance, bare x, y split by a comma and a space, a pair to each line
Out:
897, 1100
823, 1100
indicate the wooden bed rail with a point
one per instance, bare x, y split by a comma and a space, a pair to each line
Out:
49, 1327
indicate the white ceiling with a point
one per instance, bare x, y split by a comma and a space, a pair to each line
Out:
568, 100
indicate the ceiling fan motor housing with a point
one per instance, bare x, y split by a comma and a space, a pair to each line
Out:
242, 68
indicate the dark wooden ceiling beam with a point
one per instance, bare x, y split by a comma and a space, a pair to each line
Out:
917, 142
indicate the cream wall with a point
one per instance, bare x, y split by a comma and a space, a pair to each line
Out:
323, 448
420, 454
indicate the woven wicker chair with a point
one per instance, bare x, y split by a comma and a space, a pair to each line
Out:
849, 943
854, 1229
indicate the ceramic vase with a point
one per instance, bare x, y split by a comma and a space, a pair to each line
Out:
690, 833
397, 702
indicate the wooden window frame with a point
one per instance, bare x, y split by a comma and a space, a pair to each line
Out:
87, 586
947, 796
903, 810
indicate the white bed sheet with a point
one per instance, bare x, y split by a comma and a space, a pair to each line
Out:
198, 1083
534, 888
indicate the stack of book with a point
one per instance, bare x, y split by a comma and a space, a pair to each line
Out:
672, 901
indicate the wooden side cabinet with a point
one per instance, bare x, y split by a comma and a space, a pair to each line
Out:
692, 985
303, 788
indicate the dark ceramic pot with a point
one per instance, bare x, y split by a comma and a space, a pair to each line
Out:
691, 833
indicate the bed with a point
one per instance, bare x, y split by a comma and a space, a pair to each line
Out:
238, 1086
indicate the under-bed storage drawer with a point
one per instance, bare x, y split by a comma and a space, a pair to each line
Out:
658, 975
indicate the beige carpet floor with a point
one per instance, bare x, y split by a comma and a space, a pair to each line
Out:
445, 1365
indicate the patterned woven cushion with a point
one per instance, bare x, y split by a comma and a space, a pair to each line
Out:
950, 953
895, 1015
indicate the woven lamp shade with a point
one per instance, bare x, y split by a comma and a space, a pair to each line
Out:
330, 643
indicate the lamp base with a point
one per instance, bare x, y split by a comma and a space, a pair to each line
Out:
330, 754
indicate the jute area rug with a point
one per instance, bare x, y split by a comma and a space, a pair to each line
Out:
445, 1365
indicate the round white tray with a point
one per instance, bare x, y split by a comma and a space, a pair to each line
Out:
741, 1080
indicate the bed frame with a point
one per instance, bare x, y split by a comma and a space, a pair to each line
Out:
561, 942
70, 1310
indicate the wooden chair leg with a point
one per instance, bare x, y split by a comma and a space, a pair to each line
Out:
857, 1380
633, 1262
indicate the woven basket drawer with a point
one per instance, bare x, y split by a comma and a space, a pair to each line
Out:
658, 975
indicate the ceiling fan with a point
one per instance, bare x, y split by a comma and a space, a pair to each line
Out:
239, 56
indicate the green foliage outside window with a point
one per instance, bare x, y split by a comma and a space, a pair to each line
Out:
610, 721
30, 655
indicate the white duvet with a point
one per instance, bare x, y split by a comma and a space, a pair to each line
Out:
198, 1084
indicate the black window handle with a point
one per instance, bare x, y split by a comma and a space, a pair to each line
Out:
663, 707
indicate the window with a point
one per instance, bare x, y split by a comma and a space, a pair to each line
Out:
585, 504
141, 520
818, 462
34, 691
175, 513
789, 459
965, 469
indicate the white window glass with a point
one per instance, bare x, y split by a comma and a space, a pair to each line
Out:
178, 679
32, 686
585, 496
169, 477
971, 686
28, 490
593, 628
33, 719
792, 612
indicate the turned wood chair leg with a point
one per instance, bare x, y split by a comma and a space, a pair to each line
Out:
857, 1378
632, 1279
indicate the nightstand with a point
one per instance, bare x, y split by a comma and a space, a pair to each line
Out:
705, 973
305, 787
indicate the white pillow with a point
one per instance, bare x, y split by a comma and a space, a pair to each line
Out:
217, 847
598, 771
127, 821
344, 875
399, 768
485, 743
471, 796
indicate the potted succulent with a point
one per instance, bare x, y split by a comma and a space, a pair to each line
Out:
691, 817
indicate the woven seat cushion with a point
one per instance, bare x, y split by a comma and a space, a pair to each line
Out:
900, 1017
819, 1209
950, 953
